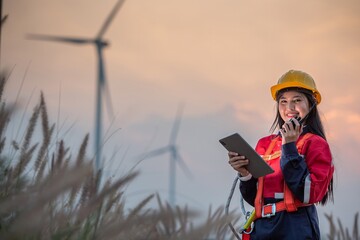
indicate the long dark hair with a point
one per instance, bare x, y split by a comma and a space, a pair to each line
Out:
313, 125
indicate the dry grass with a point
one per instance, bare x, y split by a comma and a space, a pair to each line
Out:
50, 195
339, 232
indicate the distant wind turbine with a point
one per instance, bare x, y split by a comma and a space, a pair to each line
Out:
175, 157
101, 83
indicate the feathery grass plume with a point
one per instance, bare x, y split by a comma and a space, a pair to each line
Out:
183, 217
331, 235
95, 187
88, 183
47, 132
67, 162
23, 162
107, 184
15, 145
112, 201
6, 174
344, 233
61, 153
99, 214
4, 119
168, 223
29, 133
129, 224
81, 155
221, 224
32, 203
140, 225
30, 129
85, 192
52, 162
22, 121
174, 222
2, 83
44, 115
116, 209
89, 189
119, 206
42, 154
5, 113
47, 189
96, 201
26, 153
214, 227
2, 144
140, 207
356, 227
40, 172
337, 231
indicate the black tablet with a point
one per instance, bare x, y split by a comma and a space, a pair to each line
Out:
257, 165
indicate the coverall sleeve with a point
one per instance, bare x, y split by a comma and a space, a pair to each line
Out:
307, 175
248, 190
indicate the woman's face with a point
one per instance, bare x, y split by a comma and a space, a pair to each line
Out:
293, 104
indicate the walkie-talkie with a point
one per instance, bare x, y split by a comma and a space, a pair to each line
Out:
301, 120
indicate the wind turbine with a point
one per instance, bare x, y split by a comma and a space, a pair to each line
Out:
100, 44
175, 157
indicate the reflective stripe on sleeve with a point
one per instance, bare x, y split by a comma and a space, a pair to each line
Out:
307, 189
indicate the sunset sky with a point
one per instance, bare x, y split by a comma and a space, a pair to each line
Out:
218, 58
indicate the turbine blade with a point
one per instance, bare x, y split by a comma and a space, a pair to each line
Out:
183, 165
155, 152
175, 128
59, 39
110, 18
3, 20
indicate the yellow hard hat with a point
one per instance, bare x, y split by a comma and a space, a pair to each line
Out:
299, 79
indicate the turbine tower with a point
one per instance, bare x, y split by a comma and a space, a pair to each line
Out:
175, 157
100, 44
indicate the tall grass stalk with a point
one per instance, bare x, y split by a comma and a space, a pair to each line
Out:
63, 200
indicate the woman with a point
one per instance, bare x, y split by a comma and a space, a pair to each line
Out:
285, 200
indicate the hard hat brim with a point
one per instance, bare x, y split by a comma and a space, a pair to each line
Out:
274, 89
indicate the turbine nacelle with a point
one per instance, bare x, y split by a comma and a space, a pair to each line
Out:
101, 43
97, 41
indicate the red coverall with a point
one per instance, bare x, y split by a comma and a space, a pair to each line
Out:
307, 174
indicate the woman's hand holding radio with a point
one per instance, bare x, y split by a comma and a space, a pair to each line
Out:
291, 130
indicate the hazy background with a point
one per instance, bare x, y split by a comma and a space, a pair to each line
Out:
219, 58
